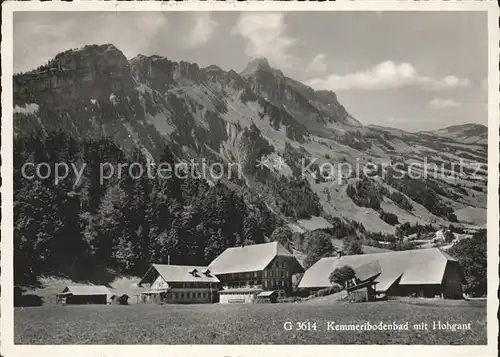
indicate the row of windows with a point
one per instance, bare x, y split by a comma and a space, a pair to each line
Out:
258, 274
191, 285
191, 295
268, 284
276, 274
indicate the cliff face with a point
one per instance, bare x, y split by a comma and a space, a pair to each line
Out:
151, 100
92, 71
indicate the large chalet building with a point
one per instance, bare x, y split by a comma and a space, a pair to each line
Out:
247, 271
179, 284
239, 274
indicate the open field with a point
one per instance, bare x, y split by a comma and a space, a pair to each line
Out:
245, 324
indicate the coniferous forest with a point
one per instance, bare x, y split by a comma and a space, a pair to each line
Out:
128, 221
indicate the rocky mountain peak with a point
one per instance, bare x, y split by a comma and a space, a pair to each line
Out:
257, 64
95, 70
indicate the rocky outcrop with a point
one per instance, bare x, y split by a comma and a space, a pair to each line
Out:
150, 100
91, 71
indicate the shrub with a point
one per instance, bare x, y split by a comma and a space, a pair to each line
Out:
389, 218
401, 201
352, 245
329, 291
366, 193
319, 245
341, 275
471, 254
456, 229
449, 236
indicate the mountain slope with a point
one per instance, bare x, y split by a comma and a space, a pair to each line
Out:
149, 101
467, 133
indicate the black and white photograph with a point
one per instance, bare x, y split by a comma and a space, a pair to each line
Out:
249, 176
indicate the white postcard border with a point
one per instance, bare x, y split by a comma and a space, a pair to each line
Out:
8, 349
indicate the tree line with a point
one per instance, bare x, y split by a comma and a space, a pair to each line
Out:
127, 222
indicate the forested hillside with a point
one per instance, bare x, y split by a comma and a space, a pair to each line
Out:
92, 106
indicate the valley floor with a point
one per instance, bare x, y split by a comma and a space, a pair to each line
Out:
247, 324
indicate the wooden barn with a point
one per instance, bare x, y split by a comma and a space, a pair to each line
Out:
84, 294
420, 272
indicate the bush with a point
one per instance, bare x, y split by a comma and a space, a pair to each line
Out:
341, 275
403, 246
366, 193
389, 218
329, 291
352, 246
401, 201
471, 254
407, 229
282, 235
319, 245
449, 236
456, 229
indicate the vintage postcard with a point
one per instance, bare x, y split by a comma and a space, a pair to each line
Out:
226, 179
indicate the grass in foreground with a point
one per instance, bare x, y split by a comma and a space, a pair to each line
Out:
243, 324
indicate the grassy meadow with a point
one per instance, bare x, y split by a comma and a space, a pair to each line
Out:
246, 324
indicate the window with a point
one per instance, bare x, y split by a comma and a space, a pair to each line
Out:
255, 274
282, 274
174, 296
182, 295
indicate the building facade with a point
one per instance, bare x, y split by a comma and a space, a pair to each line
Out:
238, 295
179, 284
259, 267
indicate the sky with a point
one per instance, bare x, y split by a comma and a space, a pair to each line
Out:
409, 70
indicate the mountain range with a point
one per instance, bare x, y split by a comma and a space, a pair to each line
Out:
149, 101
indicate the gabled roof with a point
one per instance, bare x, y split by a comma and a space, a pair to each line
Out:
368, 271
250, 258
414, 267
181, 273
87, 290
